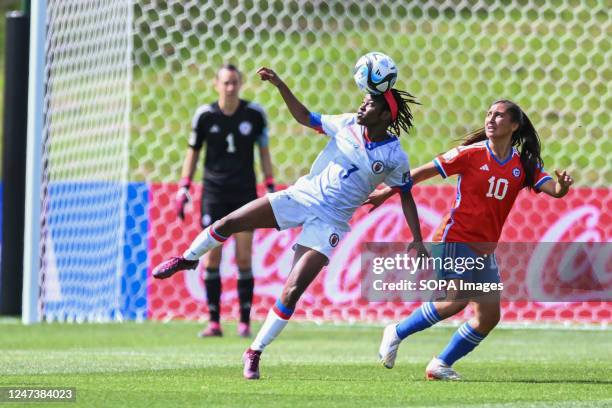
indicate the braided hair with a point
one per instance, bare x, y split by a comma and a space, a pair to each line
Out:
403, 99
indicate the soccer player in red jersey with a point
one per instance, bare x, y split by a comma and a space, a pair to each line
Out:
493, 164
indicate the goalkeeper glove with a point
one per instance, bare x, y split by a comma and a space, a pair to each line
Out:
182, 197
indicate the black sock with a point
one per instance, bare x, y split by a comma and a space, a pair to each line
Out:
246, 284
213, 292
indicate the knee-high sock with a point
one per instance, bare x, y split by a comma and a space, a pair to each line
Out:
420, 319
204, 242
277, 319
463, 341
246, 284
212, 282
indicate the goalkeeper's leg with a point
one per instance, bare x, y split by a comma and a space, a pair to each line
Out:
212, 283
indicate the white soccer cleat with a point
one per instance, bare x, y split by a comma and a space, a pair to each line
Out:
387, 351
438, 370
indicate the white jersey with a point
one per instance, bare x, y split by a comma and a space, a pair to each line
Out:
349, 169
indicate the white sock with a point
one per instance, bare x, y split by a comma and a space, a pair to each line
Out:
203, 243
271, 328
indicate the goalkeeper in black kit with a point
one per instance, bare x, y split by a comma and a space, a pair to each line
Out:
230, 128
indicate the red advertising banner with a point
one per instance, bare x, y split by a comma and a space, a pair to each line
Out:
584, 215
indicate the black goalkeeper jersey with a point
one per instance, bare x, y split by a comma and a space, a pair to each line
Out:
229, 175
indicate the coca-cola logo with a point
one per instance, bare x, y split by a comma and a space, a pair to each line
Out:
587, 219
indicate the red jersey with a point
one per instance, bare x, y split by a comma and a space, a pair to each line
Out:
486, 190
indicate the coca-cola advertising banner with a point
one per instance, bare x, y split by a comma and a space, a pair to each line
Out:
545, 272
536, 274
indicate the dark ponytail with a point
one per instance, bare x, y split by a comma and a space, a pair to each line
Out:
525, 138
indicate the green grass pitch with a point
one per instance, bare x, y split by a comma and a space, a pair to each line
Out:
166, 365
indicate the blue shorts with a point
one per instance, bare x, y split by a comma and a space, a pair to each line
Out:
459, 261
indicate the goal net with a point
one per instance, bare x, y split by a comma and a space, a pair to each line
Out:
85, 163
124, 78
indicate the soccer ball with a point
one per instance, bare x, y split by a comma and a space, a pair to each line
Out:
375, 73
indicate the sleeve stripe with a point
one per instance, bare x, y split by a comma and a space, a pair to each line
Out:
315, 120
193, 138
439, 168
403, 188
542, 181
406, 187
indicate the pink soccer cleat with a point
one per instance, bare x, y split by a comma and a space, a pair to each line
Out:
244, 330
213, 330
173, 265
250, 358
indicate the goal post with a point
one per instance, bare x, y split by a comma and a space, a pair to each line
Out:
31, 312
77, 171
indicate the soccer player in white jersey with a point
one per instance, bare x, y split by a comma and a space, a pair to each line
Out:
361, 153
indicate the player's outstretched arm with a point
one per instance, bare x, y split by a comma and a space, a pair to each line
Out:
377, 197
412, 218
297, 109
424, 172
560, 187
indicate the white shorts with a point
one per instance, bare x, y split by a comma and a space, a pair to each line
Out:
316, 234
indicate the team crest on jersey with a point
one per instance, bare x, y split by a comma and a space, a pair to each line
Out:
334, 239
245, 128
214, 129
516, 172
378, 167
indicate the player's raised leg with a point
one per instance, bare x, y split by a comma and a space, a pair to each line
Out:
256, 214
307, 263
